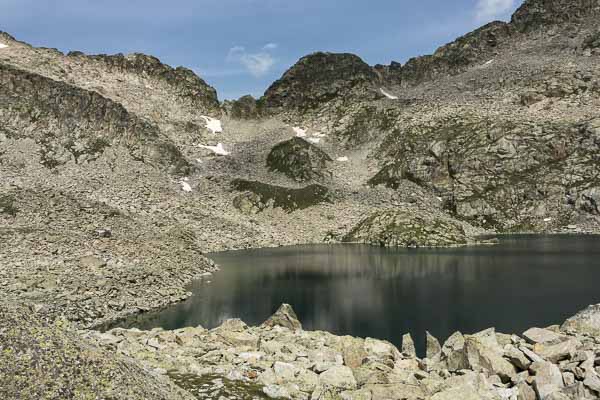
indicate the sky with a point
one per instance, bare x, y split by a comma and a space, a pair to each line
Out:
242, 46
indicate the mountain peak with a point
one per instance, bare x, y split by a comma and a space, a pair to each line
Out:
320, 77
533, 14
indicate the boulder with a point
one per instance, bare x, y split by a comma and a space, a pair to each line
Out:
454, 354
249, 203
276, 392
396, 391
592, 381
339, 377
284, 316
526, 392
433, 347
353, 351
381, 350
407, 228
543, 336
547, 379
408, 346
586, 321
466, 392
299, 160
559, 351
483, 357
517, 358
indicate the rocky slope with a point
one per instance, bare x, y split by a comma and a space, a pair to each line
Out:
501, 124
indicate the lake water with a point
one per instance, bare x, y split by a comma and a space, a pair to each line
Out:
369, 291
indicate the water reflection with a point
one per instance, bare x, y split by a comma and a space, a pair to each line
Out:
384, 293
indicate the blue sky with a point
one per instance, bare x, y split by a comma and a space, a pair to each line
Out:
241, 46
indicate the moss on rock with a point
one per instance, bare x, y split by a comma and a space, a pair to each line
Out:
408, 228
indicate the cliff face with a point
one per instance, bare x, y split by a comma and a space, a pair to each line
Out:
72, 124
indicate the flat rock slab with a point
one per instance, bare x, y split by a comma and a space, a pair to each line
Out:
543, 336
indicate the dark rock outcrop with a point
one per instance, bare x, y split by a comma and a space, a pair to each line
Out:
299, 160
533, 14
246, 107
455, 57
287, 198
319, 78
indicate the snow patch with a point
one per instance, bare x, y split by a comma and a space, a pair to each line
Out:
488, 63
3, 46
319, 134
212, 124
547, 219
218, 149
185, 186
314, 140
389, 96
342, 159
299, 131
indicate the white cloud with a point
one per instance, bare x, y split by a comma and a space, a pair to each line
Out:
270, 46
487, 10
258, 64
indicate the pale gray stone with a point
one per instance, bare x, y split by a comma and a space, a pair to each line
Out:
408, 346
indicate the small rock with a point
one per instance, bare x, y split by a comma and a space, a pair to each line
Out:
339, 377
408, 346
284, 316
433, 347
276, 392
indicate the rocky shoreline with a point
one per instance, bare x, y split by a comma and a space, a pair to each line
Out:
282, 361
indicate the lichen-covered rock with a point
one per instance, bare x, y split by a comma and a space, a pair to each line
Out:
299, 160
249, 203
48, 360
408, 229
